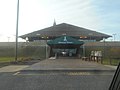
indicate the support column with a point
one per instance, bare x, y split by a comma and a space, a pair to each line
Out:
50, 52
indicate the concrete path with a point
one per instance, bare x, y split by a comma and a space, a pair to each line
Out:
68, 64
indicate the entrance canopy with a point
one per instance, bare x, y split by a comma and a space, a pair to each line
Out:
65, 41
65, 45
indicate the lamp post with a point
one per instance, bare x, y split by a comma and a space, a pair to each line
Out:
114, 36
8, 38
16, 44
104, 47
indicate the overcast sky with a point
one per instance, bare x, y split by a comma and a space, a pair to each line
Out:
98, 15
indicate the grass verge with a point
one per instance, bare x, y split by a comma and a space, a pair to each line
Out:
114, 62
5, 61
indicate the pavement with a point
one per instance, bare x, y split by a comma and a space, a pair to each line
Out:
69, 64
60, 64
79, 77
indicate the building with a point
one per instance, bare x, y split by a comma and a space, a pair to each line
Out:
65, 39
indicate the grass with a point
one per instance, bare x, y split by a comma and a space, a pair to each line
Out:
6, 59
114, 62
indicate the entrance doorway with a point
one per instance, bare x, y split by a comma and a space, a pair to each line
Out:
65, 52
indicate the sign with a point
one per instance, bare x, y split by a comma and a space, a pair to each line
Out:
65, 41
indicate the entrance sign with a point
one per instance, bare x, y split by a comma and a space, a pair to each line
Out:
63, 40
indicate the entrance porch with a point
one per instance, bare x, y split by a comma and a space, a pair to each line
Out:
65, 46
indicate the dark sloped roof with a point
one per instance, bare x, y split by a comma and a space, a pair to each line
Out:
65, 29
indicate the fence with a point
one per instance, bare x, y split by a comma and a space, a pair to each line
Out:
110, 54
38, 50
25, 50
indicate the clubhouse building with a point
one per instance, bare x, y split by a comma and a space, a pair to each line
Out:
65, 40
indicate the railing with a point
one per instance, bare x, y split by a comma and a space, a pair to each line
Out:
115, 84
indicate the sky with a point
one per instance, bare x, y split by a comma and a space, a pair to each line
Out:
98, 15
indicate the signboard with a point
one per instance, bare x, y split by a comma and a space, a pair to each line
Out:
65, 40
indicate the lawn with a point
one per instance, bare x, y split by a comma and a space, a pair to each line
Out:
6, 59
114, 62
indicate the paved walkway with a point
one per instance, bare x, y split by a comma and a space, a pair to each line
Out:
68, 64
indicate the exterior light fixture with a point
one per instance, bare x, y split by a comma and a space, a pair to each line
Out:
81, 37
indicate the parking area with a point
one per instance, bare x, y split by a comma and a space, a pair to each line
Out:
57, 74
68, 64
